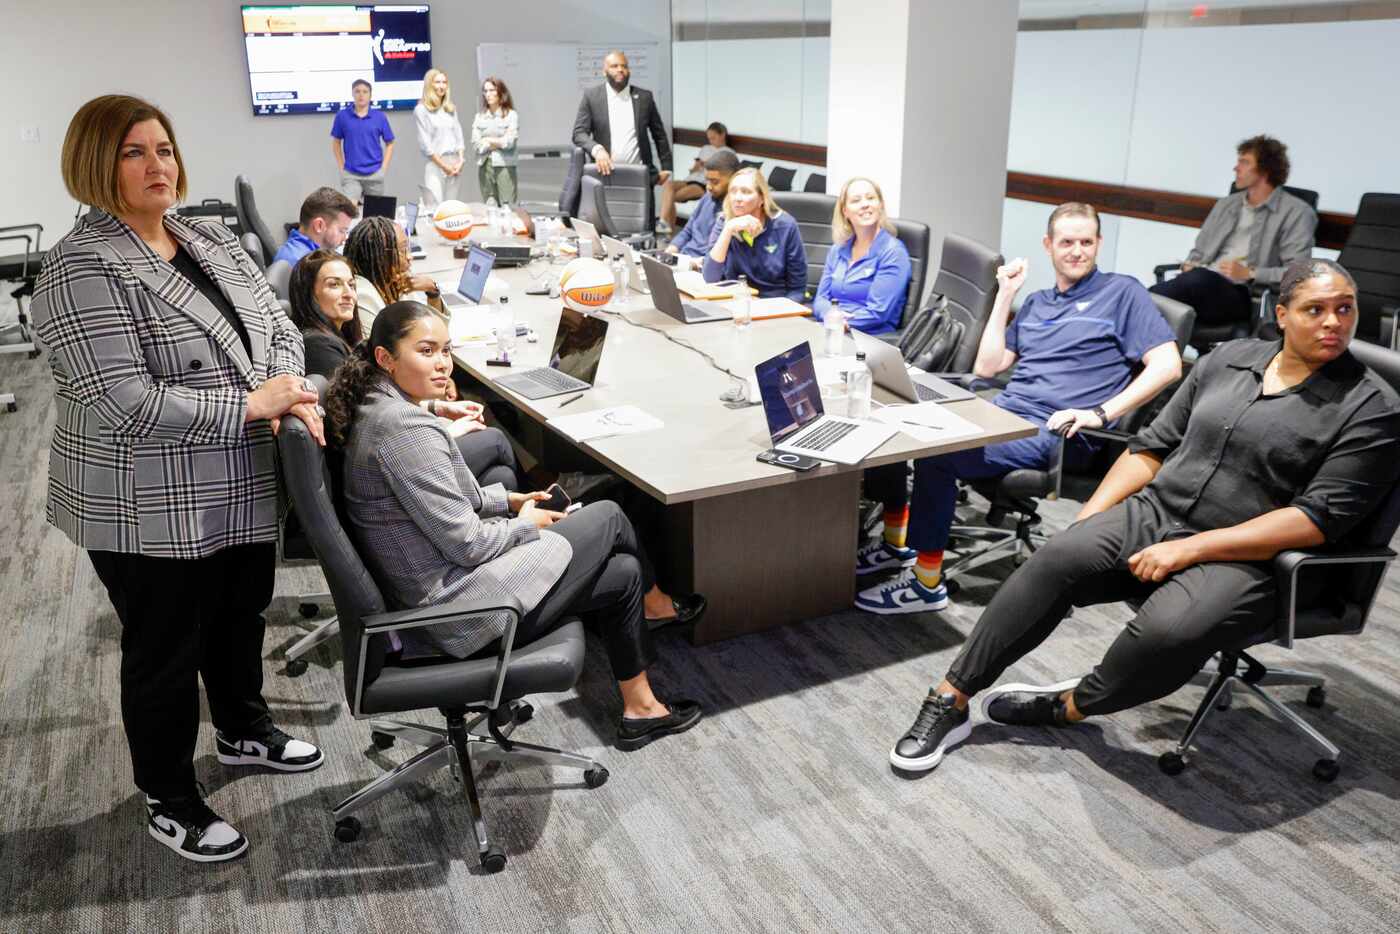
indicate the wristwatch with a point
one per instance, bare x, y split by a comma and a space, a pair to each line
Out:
1103, 416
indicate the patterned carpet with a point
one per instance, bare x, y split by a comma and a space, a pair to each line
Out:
777, 813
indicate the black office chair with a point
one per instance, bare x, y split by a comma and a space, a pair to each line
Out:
816, 183
380, 682
750, 164
964, 291
1325, 591
1017, 493
915, 237
253, 247
813, 215
1372, 255
627, 199
780, 178
250, 220
572, 189
279, 277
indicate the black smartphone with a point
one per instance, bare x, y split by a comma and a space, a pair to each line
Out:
558, 500
790, 461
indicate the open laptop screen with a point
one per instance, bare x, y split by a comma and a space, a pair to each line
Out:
475, 273
791, 395
578, 345
380, 206
410, 220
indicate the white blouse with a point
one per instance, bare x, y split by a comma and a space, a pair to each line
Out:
439, 132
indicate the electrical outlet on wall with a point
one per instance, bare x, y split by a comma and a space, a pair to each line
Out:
29, 134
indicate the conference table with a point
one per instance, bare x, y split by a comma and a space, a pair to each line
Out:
766, 545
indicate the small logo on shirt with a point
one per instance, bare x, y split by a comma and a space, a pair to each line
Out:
1083, 306
770, 248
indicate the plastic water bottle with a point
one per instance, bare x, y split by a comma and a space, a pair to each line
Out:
858, 388
834, 321
619, 276
740, 305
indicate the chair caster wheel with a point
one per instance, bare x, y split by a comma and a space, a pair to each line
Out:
493, 860
952, 587
523, 712
382, 740
1171, 763
347, 829
1325, 770
308, 610
1316, 698
296, 667
595, 777
12, 407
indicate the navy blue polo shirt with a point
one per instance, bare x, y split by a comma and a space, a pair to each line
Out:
1076, 349
361, 137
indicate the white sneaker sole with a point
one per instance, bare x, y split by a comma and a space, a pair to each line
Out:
241, 759
992, 694
923, 606
174, 844
924, 763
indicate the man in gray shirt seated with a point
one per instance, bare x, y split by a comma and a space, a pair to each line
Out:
1249, 236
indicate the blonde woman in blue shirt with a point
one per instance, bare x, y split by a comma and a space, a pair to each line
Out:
495, 135
440, 140
867, 270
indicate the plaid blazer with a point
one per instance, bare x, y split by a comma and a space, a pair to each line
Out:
429, 532
150, 452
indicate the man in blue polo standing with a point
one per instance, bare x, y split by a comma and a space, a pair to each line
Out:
363, 144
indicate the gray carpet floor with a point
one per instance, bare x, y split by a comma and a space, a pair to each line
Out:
777, 813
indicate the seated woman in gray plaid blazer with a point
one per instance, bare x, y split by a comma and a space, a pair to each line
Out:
173, 364
431, 533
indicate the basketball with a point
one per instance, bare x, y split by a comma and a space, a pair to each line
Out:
452, 220
586, 285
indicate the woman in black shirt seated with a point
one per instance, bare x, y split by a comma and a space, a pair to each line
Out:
1267, 446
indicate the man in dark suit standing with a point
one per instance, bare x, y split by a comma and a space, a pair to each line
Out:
614, 120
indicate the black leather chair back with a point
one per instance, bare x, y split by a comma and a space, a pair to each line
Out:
915, 237
813, 215
249, 218
253, 247
626, 199
593, 206
572, 191
1372, 255
279, 278
780, 178
816, 183
1307, 195
967, 278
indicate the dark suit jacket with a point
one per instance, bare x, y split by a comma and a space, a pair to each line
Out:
591, 127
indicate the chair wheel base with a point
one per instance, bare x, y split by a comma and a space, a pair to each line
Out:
12, 406
523, 712
1317, 696
595, 777
347, 829
308, 610
493, 860
1171, 763
382, 740
1326, 770
296, 667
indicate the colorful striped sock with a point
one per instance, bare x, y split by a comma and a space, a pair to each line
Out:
896, 526
928, 570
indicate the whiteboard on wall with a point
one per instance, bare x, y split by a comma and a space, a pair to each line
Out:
547, 79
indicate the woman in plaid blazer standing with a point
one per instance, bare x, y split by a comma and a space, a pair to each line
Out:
173, 364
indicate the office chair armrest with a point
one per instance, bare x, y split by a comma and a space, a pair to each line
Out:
1289, 564
1389, 333
1107, 434
974, 382
1161, 271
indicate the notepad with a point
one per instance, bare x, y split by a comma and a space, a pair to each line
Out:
928, 422
605, 423
693, 284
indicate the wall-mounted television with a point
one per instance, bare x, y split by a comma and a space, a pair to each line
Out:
304, 58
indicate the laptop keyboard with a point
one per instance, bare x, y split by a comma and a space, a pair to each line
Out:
553, 379
927, 394
826, 435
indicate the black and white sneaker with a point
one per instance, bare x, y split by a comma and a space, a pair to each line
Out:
273, 750
1027, 704
939, 727
190, 828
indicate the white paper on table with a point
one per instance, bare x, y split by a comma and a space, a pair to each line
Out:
471, 324
605, 423
927, 422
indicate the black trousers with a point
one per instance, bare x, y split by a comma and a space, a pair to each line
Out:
490, 458
183, 620
1216, 299
1181, 623
603, 584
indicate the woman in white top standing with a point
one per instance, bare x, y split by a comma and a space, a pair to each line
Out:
495, 133
440, 140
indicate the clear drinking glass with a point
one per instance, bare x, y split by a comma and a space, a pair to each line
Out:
503, 321
740, 305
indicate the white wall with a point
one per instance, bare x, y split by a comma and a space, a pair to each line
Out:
774, 88
187, 57
869, 50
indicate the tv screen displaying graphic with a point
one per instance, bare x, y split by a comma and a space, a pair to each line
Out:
304, 58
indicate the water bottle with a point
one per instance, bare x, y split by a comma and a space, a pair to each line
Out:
619, 276
740, 305
858, 388
505, 328
834, 321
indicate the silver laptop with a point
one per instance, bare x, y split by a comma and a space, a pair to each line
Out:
889, 369
797, 422
587, 233
573, 363
415, 249
614, 247
472, 286
667, 298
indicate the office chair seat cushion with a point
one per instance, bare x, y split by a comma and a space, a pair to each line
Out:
550, 664
1017, 485
1339, 618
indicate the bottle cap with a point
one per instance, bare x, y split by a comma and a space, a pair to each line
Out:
860, 355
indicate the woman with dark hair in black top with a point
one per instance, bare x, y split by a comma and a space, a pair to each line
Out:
322, 296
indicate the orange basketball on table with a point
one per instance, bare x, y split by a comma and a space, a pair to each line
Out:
452, 220
586, 285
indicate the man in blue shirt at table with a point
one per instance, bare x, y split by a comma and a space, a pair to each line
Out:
757, 240
363, 144
867, 268
326, 216
699, 232
1074, 347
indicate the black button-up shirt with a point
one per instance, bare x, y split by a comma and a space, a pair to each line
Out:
1329, 445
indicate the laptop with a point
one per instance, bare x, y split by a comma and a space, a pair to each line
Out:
380, 206
890, 371
792, 403
472, 286
667, 298
615, 246
410, 223
573, 363
587, 233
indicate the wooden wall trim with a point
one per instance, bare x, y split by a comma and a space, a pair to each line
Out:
804, 153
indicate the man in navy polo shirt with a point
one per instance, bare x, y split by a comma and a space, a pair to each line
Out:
1074, 347
363, 144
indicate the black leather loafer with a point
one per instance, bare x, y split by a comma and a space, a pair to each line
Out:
634, 734
688, 608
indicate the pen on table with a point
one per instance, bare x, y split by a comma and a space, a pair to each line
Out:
905, 421
571, 399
